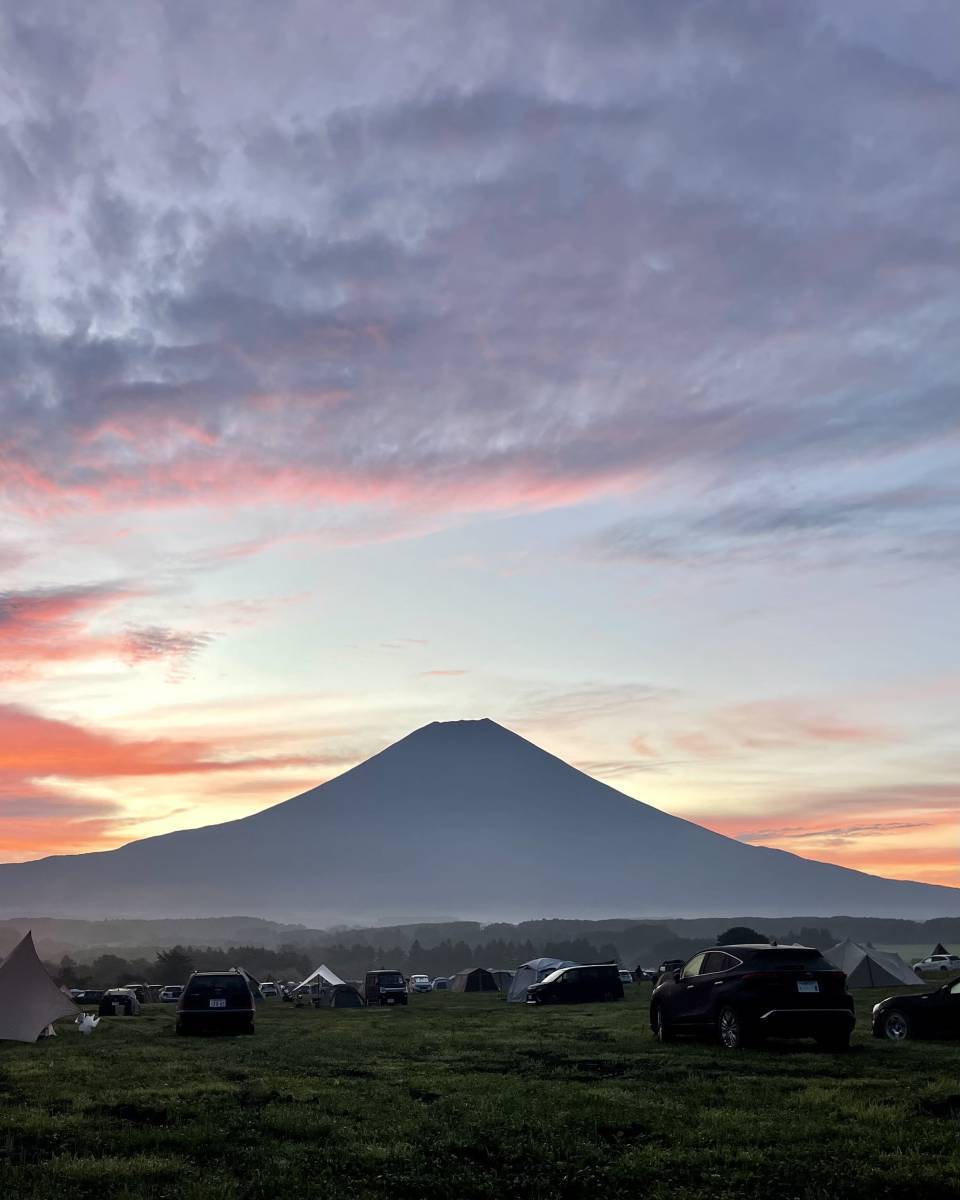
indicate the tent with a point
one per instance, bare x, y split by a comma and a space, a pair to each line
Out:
939, 948
866, 966
477, 980
29, 999
502, 979
322, 977
342, 995
532, 972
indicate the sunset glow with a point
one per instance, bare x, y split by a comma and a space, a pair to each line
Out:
504, 374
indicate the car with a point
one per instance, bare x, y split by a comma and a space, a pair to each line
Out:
216, 1002
269, 991
938, 962
934, 1014
89, 996
626, 977
742, 994
140, 990
645, 974
667, 967
171, 993
441, 984
384, 988
119, 1002
419, 983
578, 985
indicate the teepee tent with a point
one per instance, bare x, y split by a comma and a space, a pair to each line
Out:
29, 999
939, 948
532, 972
866, 966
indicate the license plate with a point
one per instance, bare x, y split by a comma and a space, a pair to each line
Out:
218, 1004
390, 1000
807, 985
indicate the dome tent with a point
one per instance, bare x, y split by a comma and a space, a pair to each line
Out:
865, 966
532, 972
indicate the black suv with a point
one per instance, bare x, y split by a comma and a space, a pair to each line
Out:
578, 985
216, 1002
743, 993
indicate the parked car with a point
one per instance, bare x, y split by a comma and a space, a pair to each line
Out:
384, 988
153, 992
119, 1002
934, 1014
216, 1002
419, 983
667, 967
171, 993
89, 996
626, 976
937, 962
578, 985
269, 991
441, 984
140, 990
741, 994
645, 974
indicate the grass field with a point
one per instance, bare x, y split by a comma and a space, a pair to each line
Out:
466, 1096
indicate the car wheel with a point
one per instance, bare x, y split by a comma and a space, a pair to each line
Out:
661, 1026
895, 1026
730, 1029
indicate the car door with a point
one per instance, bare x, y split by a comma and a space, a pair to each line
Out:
944, 1011
703, 993
683, 1000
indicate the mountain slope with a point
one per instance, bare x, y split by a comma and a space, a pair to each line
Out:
461, 818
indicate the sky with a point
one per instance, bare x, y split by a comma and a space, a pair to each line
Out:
591, 367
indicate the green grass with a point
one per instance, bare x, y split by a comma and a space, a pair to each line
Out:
468, 1096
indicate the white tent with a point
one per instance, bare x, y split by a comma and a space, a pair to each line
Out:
532, 972
865, 966
322, 976
29, 999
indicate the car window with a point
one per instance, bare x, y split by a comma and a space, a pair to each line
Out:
788, 959
716, 961
955, 988
693, 966
232, 986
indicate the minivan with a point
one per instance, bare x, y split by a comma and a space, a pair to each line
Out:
578, 985
384, 987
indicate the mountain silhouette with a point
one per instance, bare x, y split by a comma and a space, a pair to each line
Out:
460, 818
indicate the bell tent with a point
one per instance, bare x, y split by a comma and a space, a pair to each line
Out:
866, 966
29, 999
532, 972
477, 980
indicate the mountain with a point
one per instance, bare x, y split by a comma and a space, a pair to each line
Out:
463, 818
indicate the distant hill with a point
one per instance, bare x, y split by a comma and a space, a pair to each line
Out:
462, 818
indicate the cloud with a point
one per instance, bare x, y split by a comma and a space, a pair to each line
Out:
553, 273
44, 627
154, 642
909, 523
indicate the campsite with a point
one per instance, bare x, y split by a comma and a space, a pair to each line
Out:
468, 1095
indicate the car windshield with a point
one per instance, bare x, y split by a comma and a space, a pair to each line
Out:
788, 959
553, 976
391, 979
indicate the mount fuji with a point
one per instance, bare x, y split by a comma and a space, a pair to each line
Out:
461, 819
